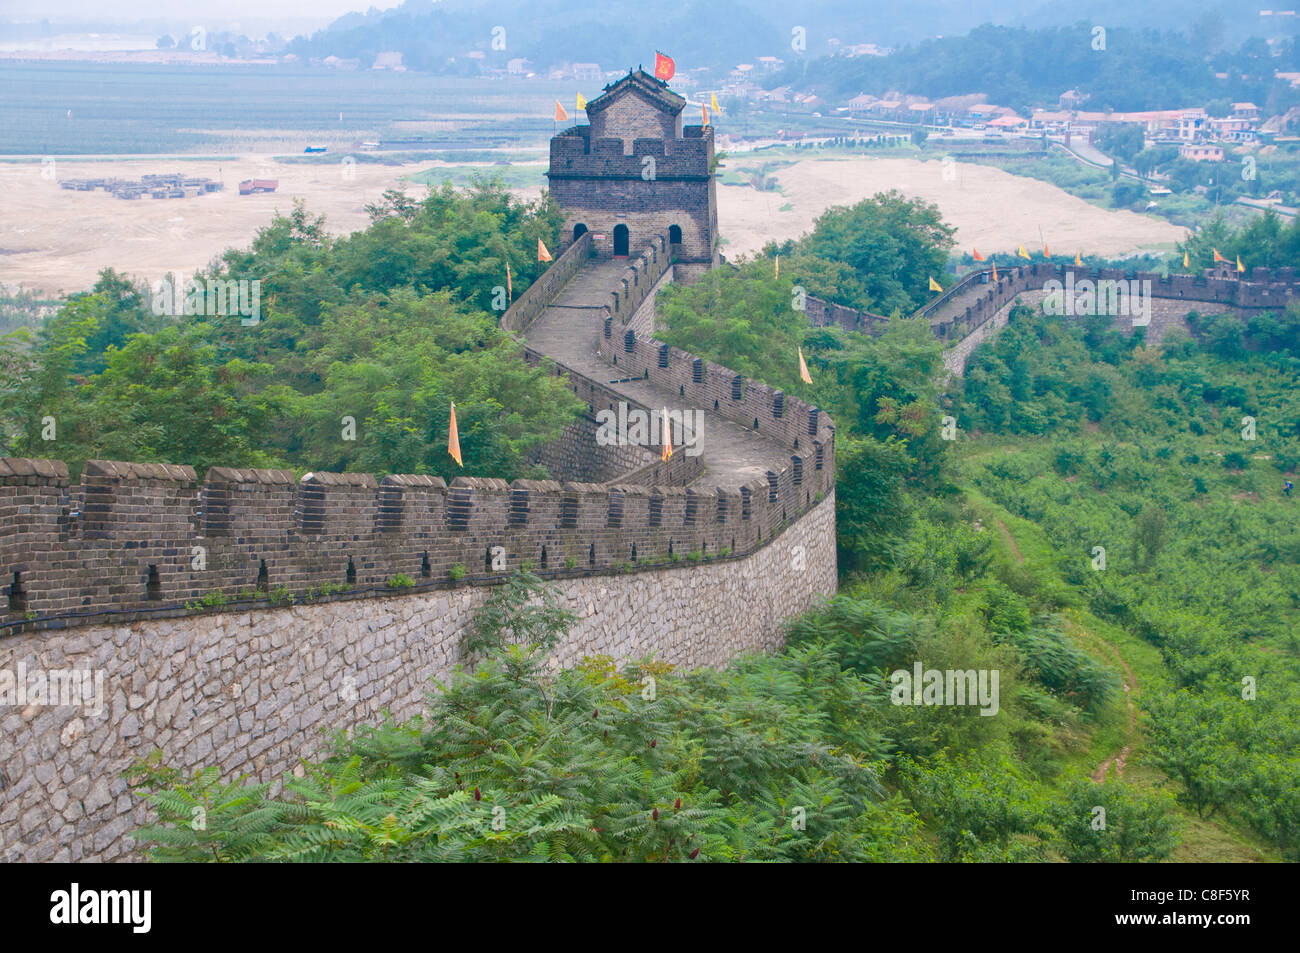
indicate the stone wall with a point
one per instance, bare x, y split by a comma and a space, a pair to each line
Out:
661, 183
542, 292
252, 692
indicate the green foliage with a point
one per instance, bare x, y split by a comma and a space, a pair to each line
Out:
401, 581
1138, 826
770, 759
1202, 550
386, 326
890, 245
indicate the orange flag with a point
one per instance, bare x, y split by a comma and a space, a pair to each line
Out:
995, 271
543, 253
1217, 257
803, 369
705, 111
1046, 252
975, 255
664, 67
453, 438
560, 114
667, 439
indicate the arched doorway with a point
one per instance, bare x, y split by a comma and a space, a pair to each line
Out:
674, 241
579, 230
620, 241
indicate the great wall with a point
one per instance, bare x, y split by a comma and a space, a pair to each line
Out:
695, 559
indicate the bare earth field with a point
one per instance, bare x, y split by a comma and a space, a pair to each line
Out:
993, 210
53, 240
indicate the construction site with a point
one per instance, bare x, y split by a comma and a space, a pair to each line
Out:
167, 186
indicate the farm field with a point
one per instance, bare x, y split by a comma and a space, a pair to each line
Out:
993, 210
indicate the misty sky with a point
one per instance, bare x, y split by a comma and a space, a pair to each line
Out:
176, 9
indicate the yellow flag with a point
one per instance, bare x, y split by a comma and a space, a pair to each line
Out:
935, 286
543, 253
777, 267
1240, 266
582, 102
714, 98
667, 439
1022, 253
510, 290
453, 438
1078, 260
803, 369
560, 114
1187, 262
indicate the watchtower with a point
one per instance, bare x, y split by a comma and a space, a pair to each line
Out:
636, 172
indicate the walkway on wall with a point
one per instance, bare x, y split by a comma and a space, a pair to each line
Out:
567, 332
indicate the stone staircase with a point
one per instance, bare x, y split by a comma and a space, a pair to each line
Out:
567, 332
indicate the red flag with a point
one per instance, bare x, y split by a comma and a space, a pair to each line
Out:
664, 67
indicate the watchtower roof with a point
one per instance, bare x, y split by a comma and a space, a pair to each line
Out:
644, 86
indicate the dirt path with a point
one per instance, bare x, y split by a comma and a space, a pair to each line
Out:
1120, 758
1011, 541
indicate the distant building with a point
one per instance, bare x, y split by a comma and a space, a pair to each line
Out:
1232, 130
1009, 124
392, 61
1049, 120
518, 66
860, 104
588, 73
770, 64
1200, 152
1245, 111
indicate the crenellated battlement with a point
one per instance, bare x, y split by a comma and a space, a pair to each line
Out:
142, 537
574, 154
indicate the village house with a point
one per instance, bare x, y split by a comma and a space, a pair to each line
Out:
1200, 152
